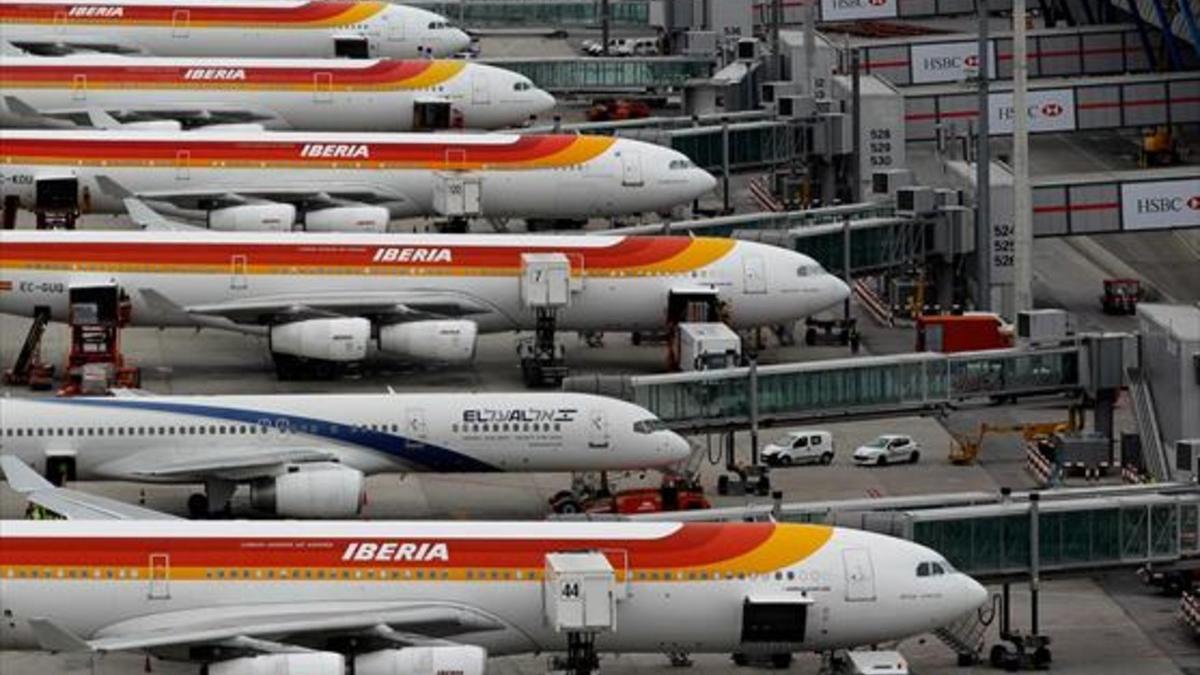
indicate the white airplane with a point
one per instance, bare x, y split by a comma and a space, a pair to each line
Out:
307, 455
289, 94
255, 597
327, 297
254, 180
321, 28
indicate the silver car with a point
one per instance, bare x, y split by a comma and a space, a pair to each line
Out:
888, 449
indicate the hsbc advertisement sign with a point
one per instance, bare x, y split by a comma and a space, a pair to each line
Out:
844, 10
1048, 110
1161, 204
949, 61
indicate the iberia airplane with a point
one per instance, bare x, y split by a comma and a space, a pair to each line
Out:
288, 94
252, 597
326, 297
254, 180
324, 28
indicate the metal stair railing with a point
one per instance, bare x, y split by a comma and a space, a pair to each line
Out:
1153, 452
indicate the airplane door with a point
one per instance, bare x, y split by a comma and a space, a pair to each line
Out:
480, 93
860, 575
183, 162
79, 87
160, 576
237, 272
631, 169
754, 275
181, 20
597, 429
416, 430
323, 87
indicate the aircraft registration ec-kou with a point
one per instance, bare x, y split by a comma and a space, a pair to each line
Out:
317, 28
284, 94
306, 455
253, 180
328, 297
252, 597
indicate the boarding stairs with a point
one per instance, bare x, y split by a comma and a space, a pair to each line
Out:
29, 368
965, 635
1154, 453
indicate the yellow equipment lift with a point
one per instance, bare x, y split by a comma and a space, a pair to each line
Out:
964, 449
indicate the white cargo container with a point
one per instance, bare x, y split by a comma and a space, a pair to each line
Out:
579, 592
708, 346
545, 280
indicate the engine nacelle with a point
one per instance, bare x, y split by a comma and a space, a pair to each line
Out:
316, 490
253, 218
305, 663
460, 660
440, 341
342, 340
348, 219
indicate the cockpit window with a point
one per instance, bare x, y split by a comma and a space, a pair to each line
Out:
522, 86
808, 270
680, 164
439, 25
934, 568
649, 426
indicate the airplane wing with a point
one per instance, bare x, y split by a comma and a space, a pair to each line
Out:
51, 47
275, 627
237, 463
303, 197
382, 306
70, 504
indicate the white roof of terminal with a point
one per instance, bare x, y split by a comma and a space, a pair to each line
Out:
1182, 321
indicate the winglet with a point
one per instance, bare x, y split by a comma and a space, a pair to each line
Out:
21, 478
54, 638
141, 213
100, 119
112, 187
18, 107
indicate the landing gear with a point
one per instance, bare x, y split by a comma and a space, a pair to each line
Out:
581, 656
833, 332
778, 661
216, 499
543, 363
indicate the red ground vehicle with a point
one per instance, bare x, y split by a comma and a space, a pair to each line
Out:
612, 110
1121, 296
670, 496
949, 333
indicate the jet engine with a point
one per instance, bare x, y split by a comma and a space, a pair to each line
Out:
300, 663
271, 217
316, 490
340, 340
439, 341
461, 660
348, 219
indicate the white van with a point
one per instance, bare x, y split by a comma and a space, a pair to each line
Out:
803, 446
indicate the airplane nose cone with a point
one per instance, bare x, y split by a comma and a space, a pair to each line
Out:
839, 291
678, 449
543, 102
975, 594
704, 181
458, 41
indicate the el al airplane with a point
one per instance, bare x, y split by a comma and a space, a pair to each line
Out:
307, 455
320, 29
251, 597
254, 180
327, 297
283, 94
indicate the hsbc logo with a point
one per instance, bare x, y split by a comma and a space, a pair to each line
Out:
394, 551
335, 151
1167, 204
1051, 109
971, 61
413, 254
96, 11
222, 74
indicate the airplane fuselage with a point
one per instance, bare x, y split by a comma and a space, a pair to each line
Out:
286, 94
535, 176
679, 588
229, 28
142, 438
617, 283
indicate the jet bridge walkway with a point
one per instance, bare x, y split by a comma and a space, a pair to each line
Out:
989, 535
607, 74
861, 387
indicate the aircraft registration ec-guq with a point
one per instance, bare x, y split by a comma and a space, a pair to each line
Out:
307, 455
272, 28
248, 597
256, 180
328, 297
283, 94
